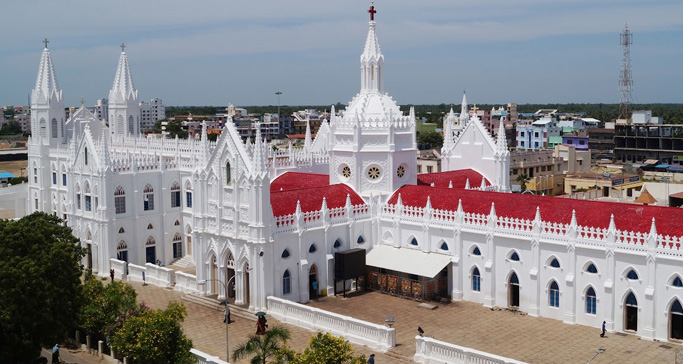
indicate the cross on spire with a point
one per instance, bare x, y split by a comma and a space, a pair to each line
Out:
372, 11
46, 42
123, 47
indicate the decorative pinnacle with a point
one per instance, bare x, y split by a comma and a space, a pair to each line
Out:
46, 42
372, 11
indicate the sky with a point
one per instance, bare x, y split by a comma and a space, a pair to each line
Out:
215, 52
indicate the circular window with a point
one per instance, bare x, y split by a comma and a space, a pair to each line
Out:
401, 171
373, 172
346, 172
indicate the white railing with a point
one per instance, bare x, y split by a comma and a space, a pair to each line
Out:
186, 283
119, 267
378, 337
159, 276
428, 351
135, 272
204, 358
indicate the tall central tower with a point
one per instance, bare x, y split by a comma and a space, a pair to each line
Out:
373, 146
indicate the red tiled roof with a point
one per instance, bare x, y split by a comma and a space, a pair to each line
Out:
459, 178
284, 202
628, 217
296, 180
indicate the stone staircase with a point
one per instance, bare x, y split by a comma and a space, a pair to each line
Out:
398, 357
213, 303
184, 262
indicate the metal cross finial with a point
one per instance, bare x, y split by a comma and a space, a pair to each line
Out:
82, 101
123, 47
372, 11
46, 42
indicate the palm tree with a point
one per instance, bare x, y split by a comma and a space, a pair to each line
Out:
262, 346
523, 179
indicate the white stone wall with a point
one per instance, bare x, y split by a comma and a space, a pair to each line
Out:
614, 253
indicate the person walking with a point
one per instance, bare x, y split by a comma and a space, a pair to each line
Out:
227, 314
371, 359
603, 329
55, 354
111, 274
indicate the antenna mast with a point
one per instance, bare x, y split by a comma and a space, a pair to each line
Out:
625, 77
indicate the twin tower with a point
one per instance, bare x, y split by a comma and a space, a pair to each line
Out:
48, 125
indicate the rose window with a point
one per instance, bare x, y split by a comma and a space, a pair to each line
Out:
401, 171
346, 171
373, 173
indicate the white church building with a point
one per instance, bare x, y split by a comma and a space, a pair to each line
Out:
272, 221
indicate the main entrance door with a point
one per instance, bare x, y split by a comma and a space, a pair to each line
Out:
631, 313
513, 290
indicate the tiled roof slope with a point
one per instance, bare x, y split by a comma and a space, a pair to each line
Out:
629, 217
309, 189
296, 180
459, 179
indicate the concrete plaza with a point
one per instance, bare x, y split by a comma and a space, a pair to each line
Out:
501, 332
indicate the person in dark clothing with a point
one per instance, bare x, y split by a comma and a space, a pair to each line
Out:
227, 314
55, 354
603, 329
111, 274
261, 325
371, 360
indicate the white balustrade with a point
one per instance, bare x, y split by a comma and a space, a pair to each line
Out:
119, 267
135, 272
204, 358
159, 276
428, 351
378, 337
186, 283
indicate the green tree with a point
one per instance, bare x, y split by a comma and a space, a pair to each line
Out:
522, 179
263, 347
175, 128
40, 286
11, 128
434, 139
329, 349
155, 337
104, 305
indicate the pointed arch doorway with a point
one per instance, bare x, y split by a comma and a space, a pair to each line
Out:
313, 282
676, 321
513, 290
631, 312
229, 273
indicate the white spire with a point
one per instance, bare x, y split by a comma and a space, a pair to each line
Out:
448, 131
501, 142
123, 88
372, 60
259, 152
464, 111
308, 141
46, 83
106, 160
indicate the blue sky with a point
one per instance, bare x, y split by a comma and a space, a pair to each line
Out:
211, 52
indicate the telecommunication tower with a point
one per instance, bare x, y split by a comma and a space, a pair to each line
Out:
625, 78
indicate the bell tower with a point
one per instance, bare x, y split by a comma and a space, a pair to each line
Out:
124, 105
47, 104
373, 147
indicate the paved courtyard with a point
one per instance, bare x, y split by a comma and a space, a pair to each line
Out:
530, 339
206, 328
513, 335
